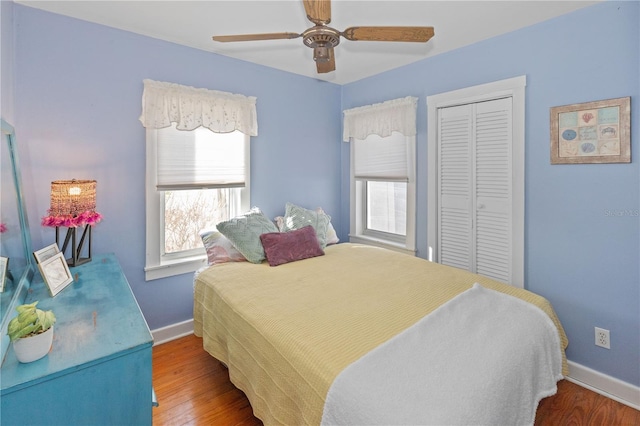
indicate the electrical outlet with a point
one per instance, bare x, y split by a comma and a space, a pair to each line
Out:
602, 338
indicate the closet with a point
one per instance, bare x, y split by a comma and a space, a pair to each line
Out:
476, 200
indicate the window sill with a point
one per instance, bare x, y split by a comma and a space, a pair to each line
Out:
174, 267
399, 247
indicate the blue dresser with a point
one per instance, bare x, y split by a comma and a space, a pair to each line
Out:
99, 369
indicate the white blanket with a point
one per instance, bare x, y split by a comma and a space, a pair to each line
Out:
483, 358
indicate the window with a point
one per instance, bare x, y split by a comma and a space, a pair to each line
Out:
188, 212
197, 169
200, 179
383, 186
387, 207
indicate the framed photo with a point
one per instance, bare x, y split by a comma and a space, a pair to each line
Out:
593, 132
4, 267
55, 273
46, 253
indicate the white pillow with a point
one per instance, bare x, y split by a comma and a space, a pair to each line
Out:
297, 217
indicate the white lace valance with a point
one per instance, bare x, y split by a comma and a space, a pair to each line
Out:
189, 107
398, 115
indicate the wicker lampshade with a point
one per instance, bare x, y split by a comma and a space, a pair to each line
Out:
72, 197
73, 203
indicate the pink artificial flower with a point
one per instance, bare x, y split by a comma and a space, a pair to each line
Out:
84, 218
88, 218
3, 227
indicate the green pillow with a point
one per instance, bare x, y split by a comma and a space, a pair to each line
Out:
296, 217
244, 233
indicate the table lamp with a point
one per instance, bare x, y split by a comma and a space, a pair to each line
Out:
73, 205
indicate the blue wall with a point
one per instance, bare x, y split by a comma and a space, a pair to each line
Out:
78, 99
78, 89
6, 61
582, 233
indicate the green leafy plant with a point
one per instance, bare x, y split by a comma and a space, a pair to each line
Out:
30, 321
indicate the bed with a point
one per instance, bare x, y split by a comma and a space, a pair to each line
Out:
368, 335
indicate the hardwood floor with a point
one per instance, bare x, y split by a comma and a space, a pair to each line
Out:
575, 405
194, 389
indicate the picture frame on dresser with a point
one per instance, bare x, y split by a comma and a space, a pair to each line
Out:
46, 253
55, 273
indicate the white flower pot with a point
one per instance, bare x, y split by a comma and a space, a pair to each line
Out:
33, 348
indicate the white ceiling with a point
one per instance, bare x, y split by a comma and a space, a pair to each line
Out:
192, 23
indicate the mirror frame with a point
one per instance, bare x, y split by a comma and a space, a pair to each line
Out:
24, 281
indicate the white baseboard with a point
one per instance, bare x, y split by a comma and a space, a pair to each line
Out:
172, 332
608, 386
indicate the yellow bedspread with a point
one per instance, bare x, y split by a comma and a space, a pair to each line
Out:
286, 332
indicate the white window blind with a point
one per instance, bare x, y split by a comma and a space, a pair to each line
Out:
199, 159
381, 158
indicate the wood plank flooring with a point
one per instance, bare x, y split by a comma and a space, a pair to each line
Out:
194, 389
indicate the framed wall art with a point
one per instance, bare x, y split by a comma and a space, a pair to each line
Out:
592, 132
4, 268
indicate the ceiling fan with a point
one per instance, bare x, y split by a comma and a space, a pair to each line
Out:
322, 38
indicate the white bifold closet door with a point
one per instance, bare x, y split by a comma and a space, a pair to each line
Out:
475, 187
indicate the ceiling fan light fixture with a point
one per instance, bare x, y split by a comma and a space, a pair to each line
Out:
321, 54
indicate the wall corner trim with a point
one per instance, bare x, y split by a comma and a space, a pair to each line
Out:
172, 332
618, 390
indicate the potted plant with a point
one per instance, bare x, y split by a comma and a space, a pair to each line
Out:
31, 332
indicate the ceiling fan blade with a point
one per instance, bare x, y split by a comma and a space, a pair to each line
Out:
254, 37
411, 34
327, 66
318, 11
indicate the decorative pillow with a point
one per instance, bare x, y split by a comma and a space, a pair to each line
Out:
219, 248
332, 236
296, 217
244, 233
285, 247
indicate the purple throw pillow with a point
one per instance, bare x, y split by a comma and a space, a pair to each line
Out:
285, 247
